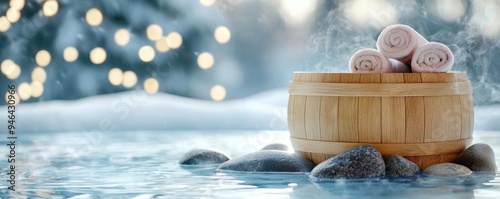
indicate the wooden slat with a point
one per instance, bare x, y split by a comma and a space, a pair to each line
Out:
448, 157
432, 111
393, 113
430, 160
299, 128
415, 159
348, 113
414, 113
329, 112
369, 123
466, 129
312, 117
317, 157
328, 119
452, 120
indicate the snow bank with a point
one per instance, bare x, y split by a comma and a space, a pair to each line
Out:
136, 110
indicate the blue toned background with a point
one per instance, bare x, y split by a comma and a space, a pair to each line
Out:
110, 93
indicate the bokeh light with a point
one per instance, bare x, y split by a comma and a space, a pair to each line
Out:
207, 2
98, 55
17, 4
13, 15
222, 34
42, 58
70, 54
16, 98
7, 66
94, 17
162, 45
147, 53
151, 85
14, 72
218, 93
39, 75
4, 24
485, 16
154, 32
36, 89
174, 40
376, 13
24, 90
122, 37
129, 79
50, 8
450, 10
205, 60
115, 76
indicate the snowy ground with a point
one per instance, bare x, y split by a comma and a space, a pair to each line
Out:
136, 110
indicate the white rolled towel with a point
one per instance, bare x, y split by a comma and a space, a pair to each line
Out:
399, 42
373, 61
432, 57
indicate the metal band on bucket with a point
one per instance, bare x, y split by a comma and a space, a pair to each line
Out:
404, 149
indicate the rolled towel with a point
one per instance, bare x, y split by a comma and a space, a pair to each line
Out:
432, 57
399, 42
373, 61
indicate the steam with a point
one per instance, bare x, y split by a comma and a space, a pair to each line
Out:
469, 28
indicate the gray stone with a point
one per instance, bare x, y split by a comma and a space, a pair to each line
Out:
276, 146
398, 166
478, 157
360, 162
447, 169
268, 161
203, 157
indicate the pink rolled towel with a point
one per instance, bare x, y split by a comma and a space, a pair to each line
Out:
399, 42
372, 61
432, 57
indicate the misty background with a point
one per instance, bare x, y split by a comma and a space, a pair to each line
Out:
222, 49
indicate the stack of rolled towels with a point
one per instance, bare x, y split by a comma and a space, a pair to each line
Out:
402, 49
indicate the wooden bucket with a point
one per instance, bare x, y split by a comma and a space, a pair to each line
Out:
425, 117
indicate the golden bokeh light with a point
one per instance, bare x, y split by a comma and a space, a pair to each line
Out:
174, 40
4, 24
98, 55
129, 79
218, 93
222, 34
16, 98
24, 90
17, 4
94, 17
50, 8
162, 45
154, 32
151, 85
38, 75
13, 15
70, 54
115, 76
42, 58
14, 72
207, 2
147, 53
122, 37
205, 60
7, 66
36, 89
